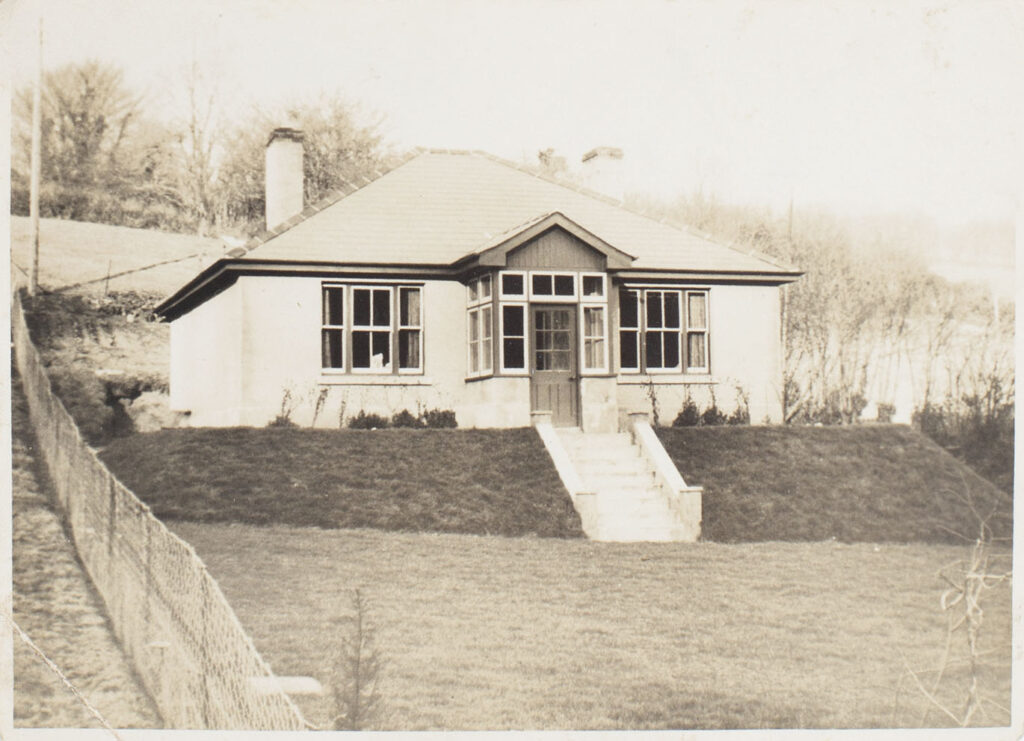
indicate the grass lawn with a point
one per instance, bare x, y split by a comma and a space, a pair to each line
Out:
506, 633
72, 252
412, 480
868, 483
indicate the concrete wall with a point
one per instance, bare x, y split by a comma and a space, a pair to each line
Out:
253, 352
206, 361
281, 345
746, 355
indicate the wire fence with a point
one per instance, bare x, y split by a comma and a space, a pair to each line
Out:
168, 613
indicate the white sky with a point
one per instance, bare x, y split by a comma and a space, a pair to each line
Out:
858, 106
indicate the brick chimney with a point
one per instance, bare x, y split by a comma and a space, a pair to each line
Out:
602, 171
284, 193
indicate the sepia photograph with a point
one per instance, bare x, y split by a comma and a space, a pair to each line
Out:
511, 365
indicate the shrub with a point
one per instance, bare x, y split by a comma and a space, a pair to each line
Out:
689, 416
405, 418
364, 421
440, 419
356, 688
713, 416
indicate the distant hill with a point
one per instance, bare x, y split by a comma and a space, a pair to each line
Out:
73, 252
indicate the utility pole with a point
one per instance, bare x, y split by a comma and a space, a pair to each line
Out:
37, 123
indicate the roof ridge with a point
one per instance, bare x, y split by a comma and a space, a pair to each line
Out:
665, 220
326, 201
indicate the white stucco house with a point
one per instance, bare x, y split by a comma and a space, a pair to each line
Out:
461, 281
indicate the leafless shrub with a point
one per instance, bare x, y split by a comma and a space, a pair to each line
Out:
356, 688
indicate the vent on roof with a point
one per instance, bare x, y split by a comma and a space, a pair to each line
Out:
284, 195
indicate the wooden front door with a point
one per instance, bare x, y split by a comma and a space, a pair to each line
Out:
554, 367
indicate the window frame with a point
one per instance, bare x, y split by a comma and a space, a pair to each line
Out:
512, 296
394, 288
325, 327
603, 298
683, 292
553, 298
603, 368
663, 330
525, 336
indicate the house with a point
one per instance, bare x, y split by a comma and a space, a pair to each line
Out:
461, 281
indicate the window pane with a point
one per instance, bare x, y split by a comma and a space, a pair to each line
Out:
485, 323
381, 308
512, 320
474, 357
361, 307
653, 347
485, 287
696, 354
628, 314
360, 349
409, 348
473, 291
560, 360
697, 310
474, 326
593, 285
334, 305
593, 322
542, 285
513, 350
486, 349
409, 307
565, 285
671, 309
628, 356
654, 309
512, 285
593, 351
332, 348
671, 349
381, 355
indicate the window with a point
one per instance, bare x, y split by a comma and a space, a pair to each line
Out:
652, 332
697, 331
363, 327
629, 331
593, 287
595, 355
553, 286
410, 330
480, 329
661, 339
513, 334
332, 332
513, 285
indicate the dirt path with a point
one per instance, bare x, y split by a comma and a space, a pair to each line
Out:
55, 604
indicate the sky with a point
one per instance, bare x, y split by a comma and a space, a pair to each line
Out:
855, 106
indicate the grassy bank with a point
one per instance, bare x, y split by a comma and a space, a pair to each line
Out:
870, 483
520, 633
467, 481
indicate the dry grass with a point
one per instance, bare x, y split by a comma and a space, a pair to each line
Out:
483, 632
866, 483
72, 252
54, 603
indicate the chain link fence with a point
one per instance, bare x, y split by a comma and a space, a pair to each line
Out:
168, 613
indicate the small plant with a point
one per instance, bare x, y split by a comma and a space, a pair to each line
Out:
284, 417
713, 416
321, 399
356, 688
364, 421
741, 414
439, 419
651, 392
405, 418
689, 415
885, 412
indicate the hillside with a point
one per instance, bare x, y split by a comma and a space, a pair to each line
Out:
874, 483
404, 480
73, 252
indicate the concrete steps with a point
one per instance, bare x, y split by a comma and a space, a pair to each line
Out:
629, 503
